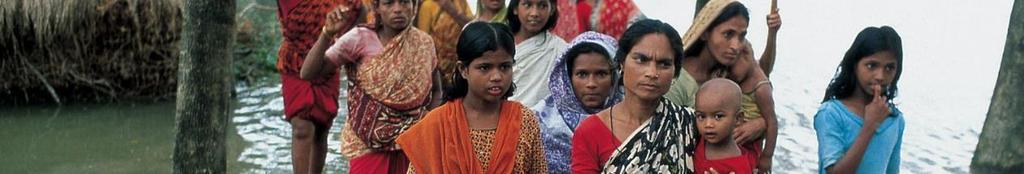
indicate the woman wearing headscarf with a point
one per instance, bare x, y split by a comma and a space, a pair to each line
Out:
583, 83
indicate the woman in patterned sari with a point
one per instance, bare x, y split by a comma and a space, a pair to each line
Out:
645, 133
390, 66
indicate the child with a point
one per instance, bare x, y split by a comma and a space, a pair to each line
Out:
477, 130
718, 112
858, 127
758, 106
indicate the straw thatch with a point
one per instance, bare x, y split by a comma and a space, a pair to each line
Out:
92, 49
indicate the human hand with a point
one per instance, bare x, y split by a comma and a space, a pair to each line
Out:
336, 20
764, 164
878, 109
749, 131
774, 21
712, 171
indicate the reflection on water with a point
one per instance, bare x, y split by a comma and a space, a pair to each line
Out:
259, 120
139, 137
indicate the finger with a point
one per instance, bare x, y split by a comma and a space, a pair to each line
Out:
712, 169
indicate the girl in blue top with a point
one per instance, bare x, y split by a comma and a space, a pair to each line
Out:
859, 130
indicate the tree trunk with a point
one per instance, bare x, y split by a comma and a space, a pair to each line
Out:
1001, 145
700, 5
204, 86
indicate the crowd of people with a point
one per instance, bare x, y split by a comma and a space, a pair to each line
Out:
564, 86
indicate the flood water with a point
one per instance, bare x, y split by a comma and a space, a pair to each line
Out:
951, 48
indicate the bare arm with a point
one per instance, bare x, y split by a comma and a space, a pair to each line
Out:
766, 104
874, 113
437, 87
454, 12
313, 65
767, 61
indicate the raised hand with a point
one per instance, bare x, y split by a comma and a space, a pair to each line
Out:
774, 21
878, 109
337, 20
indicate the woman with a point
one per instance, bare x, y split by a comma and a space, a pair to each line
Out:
531, 22
310, 105
443, 19
381, 104
712, 43
582, 83
491, 11
644, 133
477, 130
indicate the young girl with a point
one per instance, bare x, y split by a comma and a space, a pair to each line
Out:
381, 103
477, 130
858, 127
531, 22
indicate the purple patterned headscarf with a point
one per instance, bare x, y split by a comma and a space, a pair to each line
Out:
560, 84
561, 111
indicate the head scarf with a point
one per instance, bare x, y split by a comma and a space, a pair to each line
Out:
560, 112
703, 20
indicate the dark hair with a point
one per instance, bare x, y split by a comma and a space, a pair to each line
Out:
732, 10
583, 48
869, 41
644, 27
513, 19
477, 38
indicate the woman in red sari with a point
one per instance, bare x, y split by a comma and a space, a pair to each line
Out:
310, 105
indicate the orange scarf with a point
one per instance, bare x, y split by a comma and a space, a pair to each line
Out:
440, 142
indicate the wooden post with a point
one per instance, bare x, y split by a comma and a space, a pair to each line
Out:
204, 86
1001, 145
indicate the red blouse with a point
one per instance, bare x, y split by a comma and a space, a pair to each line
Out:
592, 144
743, 164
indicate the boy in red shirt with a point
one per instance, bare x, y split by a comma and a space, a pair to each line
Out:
718, 112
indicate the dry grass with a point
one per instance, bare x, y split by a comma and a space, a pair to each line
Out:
88, 49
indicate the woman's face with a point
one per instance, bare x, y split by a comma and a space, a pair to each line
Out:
533, 15
395, 14
876, 70
649, 68
725, 41
490, 76
493, 5
592, 79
